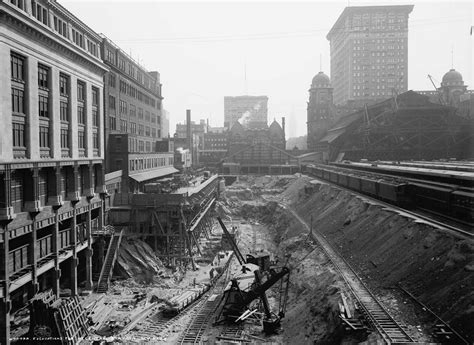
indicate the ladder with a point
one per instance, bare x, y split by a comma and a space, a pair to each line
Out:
110, 258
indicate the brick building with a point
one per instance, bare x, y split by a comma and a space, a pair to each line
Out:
369, 53
213, 147
133, 112
51, 152
260, 151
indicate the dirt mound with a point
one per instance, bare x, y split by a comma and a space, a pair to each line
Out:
137, 260
313, 309
388, 249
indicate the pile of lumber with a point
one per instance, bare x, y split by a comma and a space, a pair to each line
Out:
56, 321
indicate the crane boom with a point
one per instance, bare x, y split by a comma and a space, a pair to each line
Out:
260, 289
236, 250
436, 89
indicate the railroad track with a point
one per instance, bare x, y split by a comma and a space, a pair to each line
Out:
156, 324
205, 310
197, 326
153, 326
374, 311
234, 333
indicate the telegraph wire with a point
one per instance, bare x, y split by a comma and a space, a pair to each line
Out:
260, 36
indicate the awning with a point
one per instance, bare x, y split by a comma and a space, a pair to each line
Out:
155, 173
114, 176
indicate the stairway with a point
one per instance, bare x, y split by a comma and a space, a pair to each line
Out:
109, 262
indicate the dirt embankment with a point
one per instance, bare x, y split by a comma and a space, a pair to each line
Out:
312, 312
388, 249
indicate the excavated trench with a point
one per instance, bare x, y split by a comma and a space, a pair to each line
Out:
385, 248
312, 313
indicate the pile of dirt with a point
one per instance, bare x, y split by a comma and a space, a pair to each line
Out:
312, 315
137, 260
389, 249
313, 307
385, 247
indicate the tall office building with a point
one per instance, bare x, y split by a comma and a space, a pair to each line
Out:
249, 111
51, 152
369, 53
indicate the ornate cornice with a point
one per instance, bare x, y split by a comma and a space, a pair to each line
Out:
37, 32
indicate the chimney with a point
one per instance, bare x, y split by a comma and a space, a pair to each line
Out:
283, 127
188, 130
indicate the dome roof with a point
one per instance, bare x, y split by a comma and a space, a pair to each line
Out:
321, 80
452, 77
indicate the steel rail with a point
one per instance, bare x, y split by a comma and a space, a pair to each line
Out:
390, 330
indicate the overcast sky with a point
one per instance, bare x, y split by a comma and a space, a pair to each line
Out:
207, 50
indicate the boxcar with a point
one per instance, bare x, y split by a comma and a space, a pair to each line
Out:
318, 172
343, 179
462, 205
368, 186
432, 198
334, 176
353, 182
326, 174
388, 191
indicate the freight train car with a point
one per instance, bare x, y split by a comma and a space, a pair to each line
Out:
369, 186
462, 205
448, 200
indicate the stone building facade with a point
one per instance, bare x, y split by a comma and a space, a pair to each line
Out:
320, 109
51, 152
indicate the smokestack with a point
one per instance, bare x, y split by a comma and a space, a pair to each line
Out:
188, 129
283, 127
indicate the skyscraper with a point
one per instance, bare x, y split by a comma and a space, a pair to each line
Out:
369, 53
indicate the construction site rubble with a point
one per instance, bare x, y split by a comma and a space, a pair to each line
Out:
137, 260
321, 309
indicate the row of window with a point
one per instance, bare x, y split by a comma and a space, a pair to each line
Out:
132, 129
366, 67
123, 109
379, 40
148, 163
142, 78
368, 94
41, 13
21, 117
132, 91
46, 177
